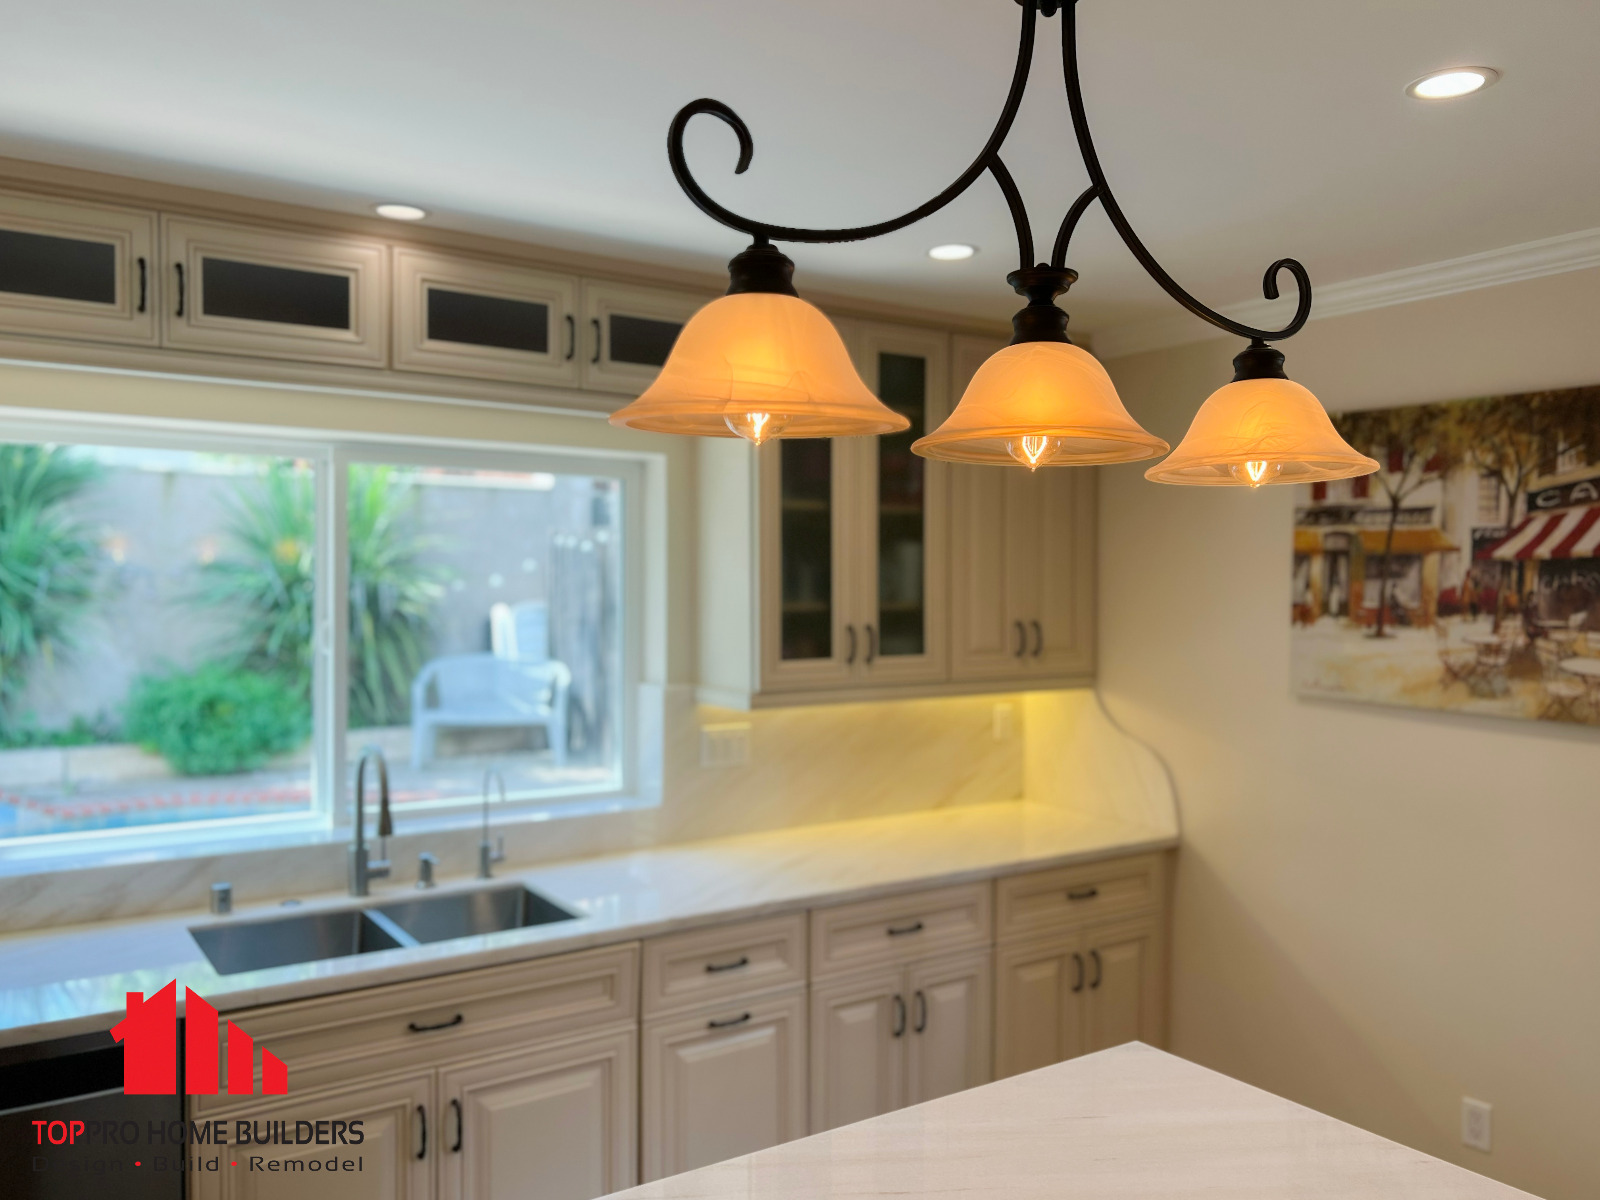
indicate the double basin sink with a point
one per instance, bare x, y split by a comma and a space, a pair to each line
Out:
339, 933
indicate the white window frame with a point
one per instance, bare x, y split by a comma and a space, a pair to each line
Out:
331, 454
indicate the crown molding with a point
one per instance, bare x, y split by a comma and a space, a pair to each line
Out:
1526, 260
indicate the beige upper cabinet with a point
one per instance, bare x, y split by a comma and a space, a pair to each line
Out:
467, 317
628, 331
77, 270
240, 289
1023, 564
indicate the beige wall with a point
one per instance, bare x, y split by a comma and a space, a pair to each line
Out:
1377, 911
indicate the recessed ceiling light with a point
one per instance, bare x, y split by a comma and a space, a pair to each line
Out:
952, 252
1457, 81
400, 212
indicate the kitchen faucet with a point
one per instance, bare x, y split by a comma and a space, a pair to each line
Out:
489, 855
362, 868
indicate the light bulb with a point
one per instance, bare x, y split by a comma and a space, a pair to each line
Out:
756, 427
1255, 473
1033, 450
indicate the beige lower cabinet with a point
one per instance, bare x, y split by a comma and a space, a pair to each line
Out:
722, 1081
391, 1162
883, 1039
1083, 990
552, 1122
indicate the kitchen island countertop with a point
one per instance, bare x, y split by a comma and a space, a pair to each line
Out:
1131, 1123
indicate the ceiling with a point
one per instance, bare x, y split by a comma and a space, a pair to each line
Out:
1233, 131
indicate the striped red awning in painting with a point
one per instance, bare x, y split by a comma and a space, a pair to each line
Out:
1571, 533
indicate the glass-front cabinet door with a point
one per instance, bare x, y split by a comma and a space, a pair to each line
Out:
901, 593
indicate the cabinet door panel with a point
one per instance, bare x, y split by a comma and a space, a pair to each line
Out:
857, 1058
458, 316
395, 1156
1065, 558
902, 593
628, 331
239, 289
949, 1043
723, 1082
1039, 990
555, 1123
1121, 999
77, 270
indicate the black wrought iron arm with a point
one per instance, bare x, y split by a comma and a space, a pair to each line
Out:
1102, 190
761, 230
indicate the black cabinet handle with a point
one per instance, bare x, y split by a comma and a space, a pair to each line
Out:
450, 1024
1098, 968
851, 660
713, 968
1022, 639
1038, 639
922, 1011
729, 1023
178, 267
422, 1119
902, 930
899, 1017
595, 321
872, 644
1088, 893
144, 283
460, 1125
1077, 961
572, 336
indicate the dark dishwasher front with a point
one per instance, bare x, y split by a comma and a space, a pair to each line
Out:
76, 1083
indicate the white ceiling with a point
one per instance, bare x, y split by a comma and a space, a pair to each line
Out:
1234, 131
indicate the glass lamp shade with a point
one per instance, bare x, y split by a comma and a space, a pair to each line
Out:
1040, 404
759, 365
1257, 431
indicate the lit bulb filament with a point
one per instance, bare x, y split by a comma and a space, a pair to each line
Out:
1034, 448
758, 425
1256, 472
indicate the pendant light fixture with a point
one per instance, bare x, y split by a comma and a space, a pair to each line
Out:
758, 363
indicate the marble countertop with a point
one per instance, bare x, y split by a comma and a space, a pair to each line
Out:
1124, 1124
73, 980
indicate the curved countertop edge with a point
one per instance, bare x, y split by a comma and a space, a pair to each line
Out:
621, 898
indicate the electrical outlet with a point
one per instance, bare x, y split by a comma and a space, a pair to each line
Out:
1004, 718
725, 745
1476, 1130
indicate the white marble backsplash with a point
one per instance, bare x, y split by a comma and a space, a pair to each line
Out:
808, 765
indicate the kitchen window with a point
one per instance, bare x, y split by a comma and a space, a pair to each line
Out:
198, 637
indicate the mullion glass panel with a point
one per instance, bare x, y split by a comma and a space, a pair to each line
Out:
902, 510
806, 548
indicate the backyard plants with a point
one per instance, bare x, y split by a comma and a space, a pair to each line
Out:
49, 562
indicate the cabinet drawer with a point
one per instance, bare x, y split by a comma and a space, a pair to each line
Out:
1049, 900
77, 270
457, 316
899, 928
732, 960
324, 1041
235, 289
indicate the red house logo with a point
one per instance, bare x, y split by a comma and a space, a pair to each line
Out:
149, 1034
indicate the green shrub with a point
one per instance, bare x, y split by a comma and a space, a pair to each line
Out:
216, 720
82, 732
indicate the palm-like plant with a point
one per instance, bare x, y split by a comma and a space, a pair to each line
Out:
268, 582
49, 560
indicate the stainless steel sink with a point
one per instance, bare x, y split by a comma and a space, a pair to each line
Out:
259, 945
464, 914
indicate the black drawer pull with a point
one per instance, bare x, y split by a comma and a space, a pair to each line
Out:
713, 968
902, 930
1099, 968
898, 1029
922, 1011
422, 1120
1038, 638
1077, 961
450, 1024
729, 1023
178, 267
1022, 639
572, 337
595, 321
461, 1125
1088, 893
144, 283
